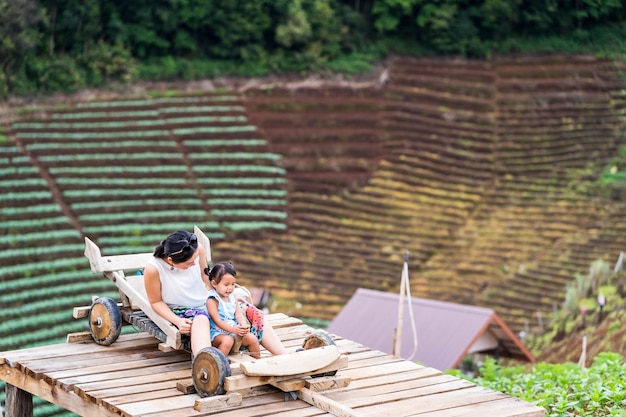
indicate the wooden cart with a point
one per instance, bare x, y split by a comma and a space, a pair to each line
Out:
211, 369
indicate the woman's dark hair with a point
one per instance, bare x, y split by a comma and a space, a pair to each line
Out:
219, 270
180, 246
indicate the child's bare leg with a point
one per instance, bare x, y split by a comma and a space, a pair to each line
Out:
250, 341
224, 343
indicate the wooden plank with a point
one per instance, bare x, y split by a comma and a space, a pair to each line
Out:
416, 387
67, 400
265, 404
409, 403
327, 404
134, 289
80, 368
219, 402
238, 382
289, 384
58, 351
96, 390
99, 263
293, 363
38, 367
505, 407
120, 391
378, 379
78, 337
326, 383
71, 381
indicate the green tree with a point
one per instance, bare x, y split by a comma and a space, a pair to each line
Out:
17, 37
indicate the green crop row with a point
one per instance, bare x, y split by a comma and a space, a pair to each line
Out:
105, 114
19, 170
213, 129
34, 267
224, 142
249, 192
198, 109
246, 202
28, 195
197, 99
241, 181
31, 209
37, 279
89, 147
207, 119
248, 213
136, 228
106, 194
143, 215
35, 251
88, 125
110, 182
237, 155
131, 203
239, 168
91, 135
46, 236
116, 169
254, 225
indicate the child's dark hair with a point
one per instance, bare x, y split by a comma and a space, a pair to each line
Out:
219, 270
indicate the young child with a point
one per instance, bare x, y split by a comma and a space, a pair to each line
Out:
227, 319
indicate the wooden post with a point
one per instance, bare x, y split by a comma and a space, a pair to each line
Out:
19, 403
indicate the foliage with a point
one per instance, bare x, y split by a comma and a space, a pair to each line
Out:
562, 389
65, 45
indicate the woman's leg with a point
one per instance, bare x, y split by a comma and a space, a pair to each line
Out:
271, 341
200, 333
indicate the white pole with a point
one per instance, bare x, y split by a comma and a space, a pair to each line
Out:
397, 340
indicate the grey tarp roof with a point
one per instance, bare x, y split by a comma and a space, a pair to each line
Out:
445, 331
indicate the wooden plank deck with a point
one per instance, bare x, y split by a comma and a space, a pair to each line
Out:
133, 378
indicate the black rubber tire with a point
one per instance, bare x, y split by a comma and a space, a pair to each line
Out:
105, 321
210, 369
317, 339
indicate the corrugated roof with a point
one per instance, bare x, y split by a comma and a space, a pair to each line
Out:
445, 331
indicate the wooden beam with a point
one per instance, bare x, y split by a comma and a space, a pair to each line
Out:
239, 382
326, 404
219, 402
51, 393
19, 403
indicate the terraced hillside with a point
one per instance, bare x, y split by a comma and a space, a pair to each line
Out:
478, 168
125, 173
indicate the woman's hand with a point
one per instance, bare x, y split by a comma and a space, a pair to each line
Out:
184, 325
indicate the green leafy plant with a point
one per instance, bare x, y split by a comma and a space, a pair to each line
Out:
562, 389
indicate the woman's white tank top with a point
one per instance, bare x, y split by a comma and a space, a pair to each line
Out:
181, 287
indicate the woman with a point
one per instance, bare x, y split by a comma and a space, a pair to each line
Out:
176, 284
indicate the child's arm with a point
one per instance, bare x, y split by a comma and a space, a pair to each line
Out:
239, 316
211, 306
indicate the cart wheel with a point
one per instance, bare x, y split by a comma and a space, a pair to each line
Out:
317, 339
105, 321
210, 369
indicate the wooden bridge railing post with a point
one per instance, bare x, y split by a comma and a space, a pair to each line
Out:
18, 403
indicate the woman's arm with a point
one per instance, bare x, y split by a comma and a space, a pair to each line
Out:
203, 266
152, 282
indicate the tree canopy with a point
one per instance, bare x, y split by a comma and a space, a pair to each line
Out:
65, 45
